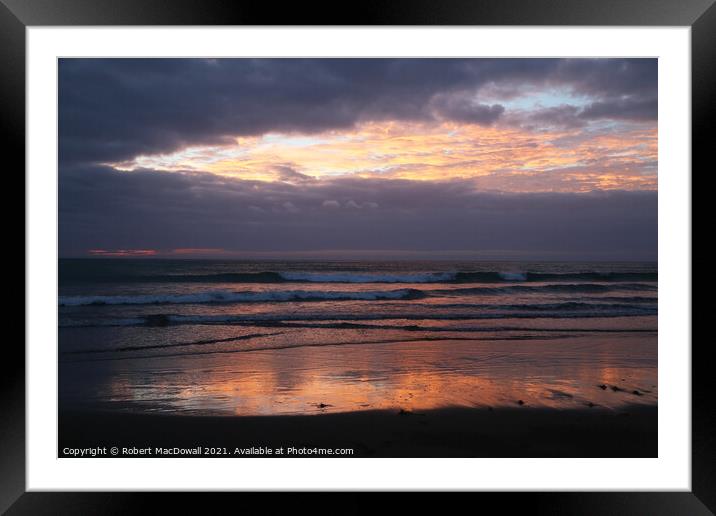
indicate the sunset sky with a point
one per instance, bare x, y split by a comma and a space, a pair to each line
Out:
355, 158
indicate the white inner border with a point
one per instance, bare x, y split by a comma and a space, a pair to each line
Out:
670, 471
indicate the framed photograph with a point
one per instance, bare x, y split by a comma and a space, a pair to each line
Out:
421, 248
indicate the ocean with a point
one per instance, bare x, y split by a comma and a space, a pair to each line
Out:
296, 337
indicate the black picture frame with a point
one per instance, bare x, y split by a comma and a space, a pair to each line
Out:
16, 15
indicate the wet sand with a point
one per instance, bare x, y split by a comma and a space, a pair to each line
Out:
572, 373
582, 396
451, 432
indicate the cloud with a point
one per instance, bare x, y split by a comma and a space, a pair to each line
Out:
389, 119
568, 117
609, 78
289, 207
462, 108
556, 117
112, 110
122, 253
105, 209
290, 175
622, 109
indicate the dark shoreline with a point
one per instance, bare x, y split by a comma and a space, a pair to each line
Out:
451, 432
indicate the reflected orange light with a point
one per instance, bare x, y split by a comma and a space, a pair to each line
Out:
411, 376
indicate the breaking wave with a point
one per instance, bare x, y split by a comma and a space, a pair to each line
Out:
421, 277
240, 297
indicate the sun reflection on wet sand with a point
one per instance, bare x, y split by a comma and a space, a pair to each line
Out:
570, 373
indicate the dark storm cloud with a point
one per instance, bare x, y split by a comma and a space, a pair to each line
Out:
572, 117
609, 77
116, 109
463, 109
105, 209
622, 109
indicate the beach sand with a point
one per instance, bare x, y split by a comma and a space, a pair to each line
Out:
451, 432
586, 396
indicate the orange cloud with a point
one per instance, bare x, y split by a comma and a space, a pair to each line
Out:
497, 157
